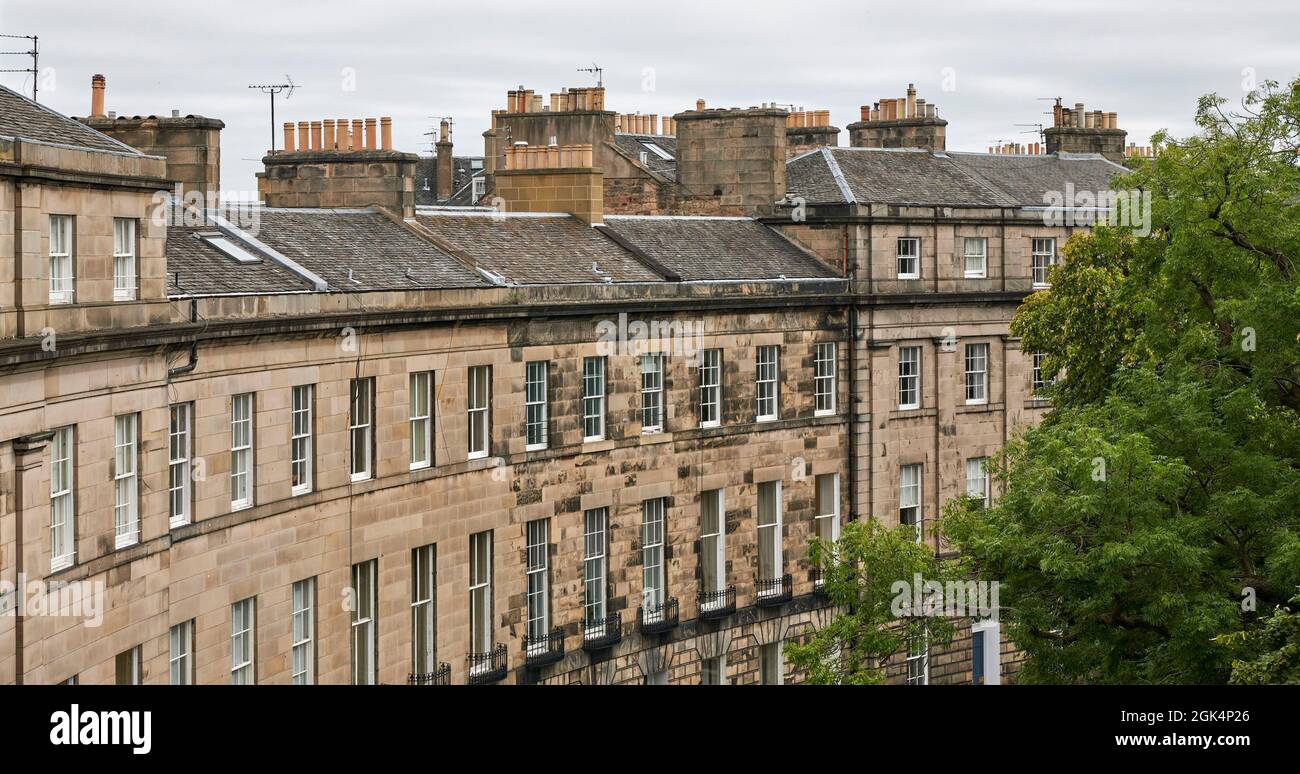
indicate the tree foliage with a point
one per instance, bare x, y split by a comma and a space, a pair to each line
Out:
860, 573
1162, 492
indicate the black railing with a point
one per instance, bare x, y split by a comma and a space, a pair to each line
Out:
545, 649
818, 578
602, 633
440, 676
487, 667
774, 591
717, 604
659, 618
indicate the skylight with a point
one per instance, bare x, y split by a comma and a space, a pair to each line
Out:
230, 248
656, 150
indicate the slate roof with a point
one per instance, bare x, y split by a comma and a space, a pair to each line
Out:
20, 117
714, 248
921, 178
196, 268
634, 144
361, 250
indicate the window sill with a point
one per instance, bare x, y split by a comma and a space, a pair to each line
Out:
126, 541
707, 425
177, 523
1040, 286
123, 296
975, 276
477, 455
656, 438
61, 563
597, 445
979, 408
766, 419
60, 300
420, 465
299, 491
908, 277
532, 447
824, 413
242, 505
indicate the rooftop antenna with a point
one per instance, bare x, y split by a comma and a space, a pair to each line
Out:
596, 70
273, 89
451, 129
1038, 130
34, 53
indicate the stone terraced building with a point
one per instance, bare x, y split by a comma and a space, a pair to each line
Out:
374, 442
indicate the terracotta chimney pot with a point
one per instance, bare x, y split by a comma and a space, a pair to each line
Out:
288, 135
386, 132
97, 85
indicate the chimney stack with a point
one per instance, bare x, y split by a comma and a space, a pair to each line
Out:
444, 164
552, 178
1079, 131
737, 156
97, 85
900, 122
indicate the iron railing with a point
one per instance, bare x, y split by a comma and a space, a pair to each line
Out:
717, 604
440, 676
602, 633
774, 591
544, 649
487, 667
659, 618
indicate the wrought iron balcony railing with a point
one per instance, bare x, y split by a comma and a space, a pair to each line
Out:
545, 649
774, 591
440, 676
659, 618
487, 667
602, 633
717, 604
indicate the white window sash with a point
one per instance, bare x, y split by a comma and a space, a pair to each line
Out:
711, 388
909, 383
713, 507
480, 399
241, 451
124, 259
769, 531
977, 374
1042, 258
908, 258
480, 594
301, 451
423, 609
126, 507
976, 249
62, 499
593, 399
62, 265
302, 663
243, 645
535, 408
767, 392
420, 400
537, 581
366, 604
652, 394
824, 379
361, 413
593, 567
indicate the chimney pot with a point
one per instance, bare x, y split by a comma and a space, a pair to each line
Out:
699, 104
386, 132
288, 135
304, 131
327, 139
315, 135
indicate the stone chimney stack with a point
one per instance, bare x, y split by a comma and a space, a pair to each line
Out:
191, 144
331, 168
902, 122
807, 130
552, 178
445, 170
737, 155
1078, 131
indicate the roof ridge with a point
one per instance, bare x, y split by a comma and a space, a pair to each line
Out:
838, 174
1006, 199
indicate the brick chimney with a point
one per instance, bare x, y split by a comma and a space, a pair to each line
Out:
355, 170
1080, 131
737, 155
446, 169
807, 130
552, 178
900, 122
191, 144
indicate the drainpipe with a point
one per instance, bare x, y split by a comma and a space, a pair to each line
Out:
194, 347
852, 340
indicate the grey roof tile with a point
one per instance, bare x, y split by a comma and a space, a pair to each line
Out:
196, 268
704, 248
20, 117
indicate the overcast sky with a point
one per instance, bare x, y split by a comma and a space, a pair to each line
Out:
416, 60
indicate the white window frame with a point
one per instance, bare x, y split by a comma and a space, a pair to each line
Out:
124, 259
652, 394
180, 653
478, 187
535, 405
980, 253
711, 388
827, 506
134, 658
424, 609
909, 377
718, 538
991, 631
1042, 257
918, 661
180, 452
243, 642
62, 263
361, 428
480, 596
302, 399
912, 254
595, 555
977, 478
126, 482
653, 574
767, 392
977, 373
537, 587
775, 557
1038, 382
825, 369
593, 399
63, 499
910, 490
479, 400
771, 659
302, 655
365, 622
420, 409
241, 454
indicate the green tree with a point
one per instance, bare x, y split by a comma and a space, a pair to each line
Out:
1162, 492
1270, 652
861, 573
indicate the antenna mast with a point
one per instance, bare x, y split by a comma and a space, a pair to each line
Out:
595, 70
34, 53
273, 89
